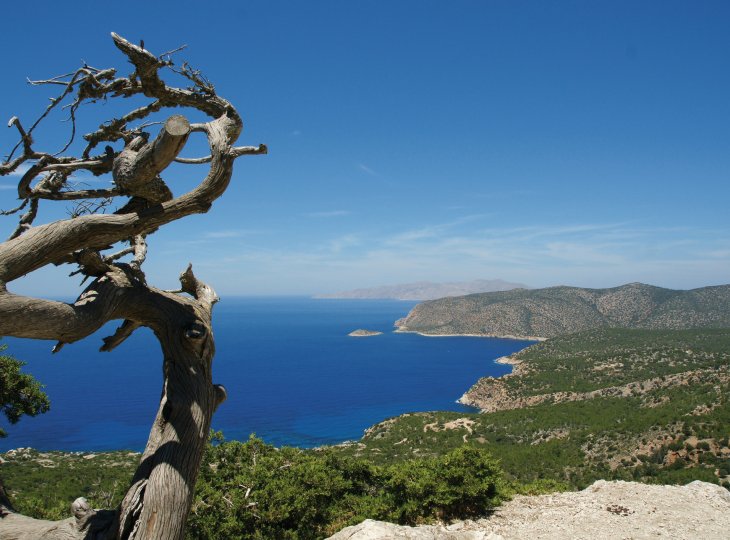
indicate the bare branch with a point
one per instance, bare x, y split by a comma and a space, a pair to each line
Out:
25, 139
118, 255
117, 129
75, 195
53, 80
235, 152
139, 246
147, 70
14, 210
168, 54
24, 190
197, 289
88, 207
194, 161
122, 333
92, 84
26, 220
74, 165
249, 150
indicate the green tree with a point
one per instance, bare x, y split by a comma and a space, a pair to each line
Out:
462, 483
20, 393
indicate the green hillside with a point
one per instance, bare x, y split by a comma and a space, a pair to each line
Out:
564, 310
644, 405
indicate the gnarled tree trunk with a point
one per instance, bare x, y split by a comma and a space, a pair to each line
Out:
159, 498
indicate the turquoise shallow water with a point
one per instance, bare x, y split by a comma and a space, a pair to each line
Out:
293, 376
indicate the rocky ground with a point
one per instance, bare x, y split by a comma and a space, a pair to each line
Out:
605, 510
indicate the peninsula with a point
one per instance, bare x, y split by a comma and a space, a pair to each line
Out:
558, 311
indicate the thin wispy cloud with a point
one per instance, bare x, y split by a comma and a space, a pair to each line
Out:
338, 245
7, 186
367, 169
432, 231
590, 255
227, 233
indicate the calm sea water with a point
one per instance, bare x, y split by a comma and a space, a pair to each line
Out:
293, 376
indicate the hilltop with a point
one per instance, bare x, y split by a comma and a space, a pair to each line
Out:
426, 290
561, 310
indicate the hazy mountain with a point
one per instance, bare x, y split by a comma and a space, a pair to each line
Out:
562, 310
427, 290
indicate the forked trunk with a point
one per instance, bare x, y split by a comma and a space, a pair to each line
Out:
159, 498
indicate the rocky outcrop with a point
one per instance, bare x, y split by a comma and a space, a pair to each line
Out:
564, 310
364, 333
605, 510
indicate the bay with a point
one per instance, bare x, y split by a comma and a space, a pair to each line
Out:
293, 376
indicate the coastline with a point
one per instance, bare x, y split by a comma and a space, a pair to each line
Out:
517, 370
399, 330
510, 361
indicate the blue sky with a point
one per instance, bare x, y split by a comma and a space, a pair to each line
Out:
579, 143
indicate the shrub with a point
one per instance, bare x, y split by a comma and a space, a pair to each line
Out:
675, 446
463, 483
252, 490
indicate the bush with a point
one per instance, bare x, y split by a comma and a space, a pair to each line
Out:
255, 491
463, 483
675, 446
541, 487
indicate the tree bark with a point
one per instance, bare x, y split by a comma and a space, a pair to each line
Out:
161, 492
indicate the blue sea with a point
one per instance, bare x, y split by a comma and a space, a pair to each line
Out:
293, 376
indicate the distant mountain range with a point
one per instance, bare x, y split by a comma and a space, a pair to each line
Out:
427, 290
563, 310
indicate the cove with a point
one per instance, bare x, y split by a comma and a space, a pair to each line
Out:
293, 375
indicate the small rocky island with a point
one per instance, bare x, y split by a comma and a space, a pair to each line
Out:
364, 333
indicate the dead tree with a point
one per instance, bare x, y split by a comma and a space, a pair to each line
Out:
109, 248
